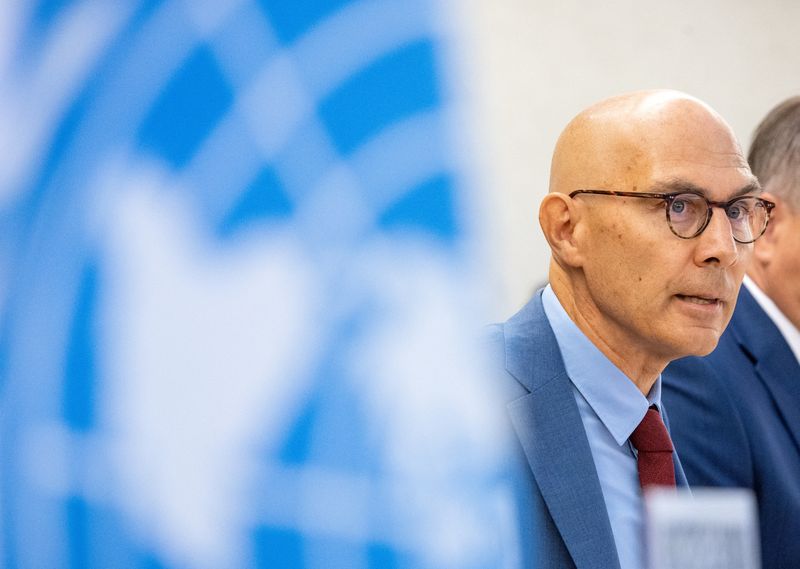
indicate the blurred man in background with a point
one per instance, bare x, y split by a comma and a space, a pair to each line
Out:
650, 218
736, 413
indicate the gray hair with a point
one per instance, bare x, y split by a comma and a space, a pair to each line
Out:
774, 155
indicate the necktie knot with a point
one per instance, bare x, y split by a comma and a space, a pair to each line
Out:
651, 435
654, 448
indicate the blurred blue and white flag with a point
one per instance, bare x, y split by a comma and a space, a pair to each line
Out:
235, 292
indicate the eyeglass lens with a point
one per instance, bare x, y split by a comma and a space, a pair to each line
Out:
688, 214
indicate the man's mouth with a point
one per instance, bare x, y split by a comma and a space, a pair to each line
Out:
704, 300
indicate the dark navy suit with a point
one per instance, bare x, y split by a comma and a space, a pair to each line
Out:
564, 522
736, 422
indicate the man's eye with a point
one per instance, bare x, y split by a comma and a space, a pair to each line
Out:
678, 206
739, 210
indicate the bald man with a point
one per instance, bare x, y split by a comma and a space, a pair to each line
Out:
650, 218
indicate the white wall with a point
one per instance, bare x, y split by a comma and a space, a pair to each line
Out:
530, 65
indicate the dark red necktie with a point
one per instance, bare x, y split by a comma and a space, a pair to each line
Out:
654, 448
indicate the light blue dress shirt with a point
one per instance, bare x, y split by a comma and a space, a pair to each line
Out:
611, 407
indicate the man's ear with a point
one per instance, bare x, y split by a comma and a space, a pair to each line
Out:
764, 247
559, 218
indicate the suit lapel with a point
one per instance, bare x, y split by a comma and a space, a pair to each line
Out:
775, 364
549, 427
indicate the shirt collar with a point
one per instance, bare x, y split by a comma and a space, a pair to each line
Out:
610, 393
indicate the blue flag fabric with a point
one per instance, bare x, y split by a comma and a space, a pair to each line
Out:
235, 292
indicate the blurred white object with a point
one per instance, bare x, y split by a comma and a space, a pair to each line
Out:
709, 528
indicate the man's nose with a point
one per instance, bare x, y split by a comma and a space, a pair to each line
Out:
716, 244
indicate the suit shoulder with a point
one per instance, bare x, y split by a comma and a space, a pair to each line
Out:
706, 425
693, 387
692, 370
493, 343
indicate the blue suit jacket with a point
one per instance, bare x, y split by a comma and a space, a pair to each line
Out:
564, 522
736, 417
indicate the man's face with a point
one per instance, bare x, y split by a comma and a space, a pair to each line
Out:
650, 290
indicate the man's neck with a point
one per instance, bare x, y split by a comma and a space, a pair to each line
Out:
639, 366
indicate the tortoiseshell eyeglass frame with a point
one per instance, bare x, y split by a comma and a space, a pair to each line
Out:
670, 197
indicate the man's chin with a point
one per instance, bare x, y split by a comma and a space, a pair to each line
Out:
700, 344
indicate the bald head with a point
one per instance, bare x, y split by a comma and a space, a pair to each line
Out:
638, 285
618, 143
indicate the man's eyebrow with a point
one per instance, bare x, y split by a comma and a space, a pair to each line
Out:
752, 188
679, 185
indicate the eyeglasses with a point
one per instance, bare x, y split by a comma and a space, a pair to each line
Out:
688, 213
